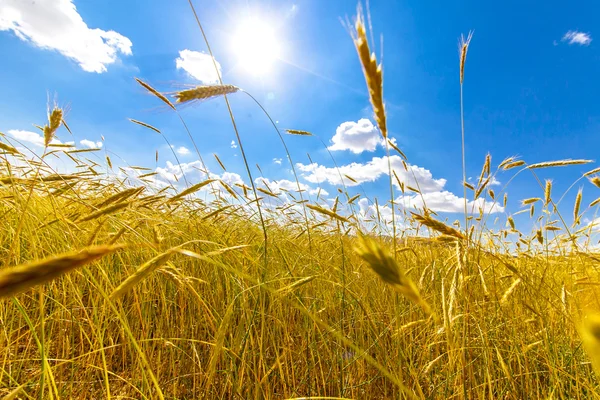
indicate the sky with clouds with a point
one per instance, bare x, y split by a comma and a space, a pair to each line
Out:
530, 90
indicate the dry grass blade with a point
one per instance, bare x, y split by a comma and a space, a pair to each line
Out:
18, 279
220, 162
353, 198
145, 125
384, 264
121, 196
220, 210
296, 284
437, 226
204, 92
191, 189
267, 192
15, 393
297, 132
104, 211
58, 177
228, 189
327, 212
559, 163
482, 187
592, 172
350, 178
149, 174
8, 149
373, 73
82, 151
576, 207
141, 273
155, 92
510, 290
395, 147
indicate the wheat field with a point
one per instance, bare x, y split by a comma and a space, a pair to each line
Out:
114, 288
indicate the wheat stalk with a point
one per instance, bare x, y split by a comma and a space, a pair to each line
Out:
18, 279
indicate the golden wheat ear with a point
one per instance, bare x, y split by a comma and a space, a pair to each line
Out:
373, 72
204, 92
54, 121
383, 263
589, 330
18, 279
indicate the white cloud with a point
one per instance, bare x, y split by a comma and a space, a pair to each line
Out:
370, 213
30, 137
233, 145
183, 151
91, 144
370, 172
279, 187
56, 25
576, 37
193, 171
444, 201
231, 178
436, 198
199, 65
277, 161
356, 136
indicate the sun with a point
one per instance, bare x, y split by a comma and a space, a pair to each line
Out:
256, 46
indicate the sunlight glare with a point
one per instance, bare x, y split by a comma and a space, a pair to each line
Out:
256, 46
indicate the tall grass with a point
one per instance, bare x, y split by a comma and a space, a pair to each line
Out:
114, 287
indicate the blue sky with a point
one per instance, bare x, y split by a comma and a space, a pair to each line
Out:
530, 87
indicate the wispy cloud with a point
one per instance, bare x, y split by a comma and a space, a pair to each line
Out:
576, 37
90, 144
281, 186
199, 65
30, 137
56, 25
277, 161
183, 151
